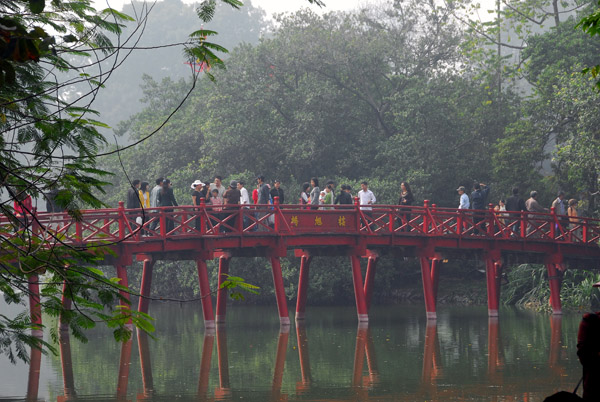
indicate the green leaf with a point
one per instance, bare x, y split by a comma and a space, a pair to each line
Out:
37, 6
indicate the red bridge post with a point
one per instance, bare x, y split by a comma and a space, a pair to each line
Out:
35, 307
284, 317
146, 285
305, 260
554, 268
205, 297
430, 276
493, 270
304, 385
223, 390
359, 291
221, 292
282, 343
145, 364
373, 258
66, 303
122, 275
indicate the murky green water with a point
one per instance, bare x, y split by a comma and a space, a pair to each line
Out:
400, 357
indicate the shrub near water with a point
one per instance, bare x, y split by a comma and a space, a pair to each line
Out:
528, 287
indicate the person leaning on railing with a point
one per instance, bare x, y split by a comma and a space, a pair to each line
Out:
573, 217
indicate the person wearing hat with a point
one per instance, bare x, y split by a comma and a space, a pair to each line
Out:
198, 193
232, 200
464, 198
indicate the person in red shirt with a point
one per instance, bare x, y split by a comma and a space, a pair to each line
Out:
23, 209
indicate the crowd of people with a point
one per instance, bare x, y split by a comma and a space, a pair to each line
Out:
222, 197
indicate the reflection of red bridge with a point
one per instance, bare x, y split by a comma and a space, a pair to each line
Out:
364, 384
429, 233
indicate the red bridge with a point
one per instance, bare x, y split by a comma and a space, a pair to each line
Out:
429, 233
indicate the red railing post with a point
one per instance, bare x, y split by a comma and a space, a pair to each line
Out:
426, 217
357, 212
276, 213
434, 224
121, 220
183, 219
78, 232
491, 220
459, 222
523, 224
584, 231
240, 219
553, 223
392, 220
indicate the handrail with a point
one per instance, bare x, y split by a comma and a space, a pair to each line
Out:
120, 224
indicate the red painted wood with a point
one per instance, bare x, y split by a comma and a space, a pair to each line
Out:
33, 380
304, 359
145, 363
145, 286
35, 307
370, 280
223, 360
282, 343
284, 317
205, 295
428, 291
359, 292
492, 287
66, 363
221, 292
555, 284
302, 287
66, 303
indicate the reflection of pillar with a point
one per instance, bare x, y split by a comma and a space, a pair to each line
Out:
359, 291
302, 286
33, 380
284, 317
146, 285
494, 352
205, 297
222, 391
370, 278
304, 385
145, 364
431, 355
124, 363
207, 349
35, 308
221, 292
66, 363
371, 360
555, 344
282, 343
359, 355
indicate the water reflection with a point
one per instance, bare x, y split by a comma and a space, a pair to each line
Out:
372, 364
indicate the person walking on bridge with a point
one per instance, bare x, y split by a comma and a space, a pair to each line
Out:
533, 205
154, 200
315, 193
277, 191
166, 198
478, 201
515, 203
366, 199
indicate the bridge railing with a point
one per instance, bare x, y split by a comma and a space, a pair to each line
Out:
120, 224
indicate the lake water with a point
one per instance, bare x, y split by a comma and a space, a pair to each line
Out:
523, 356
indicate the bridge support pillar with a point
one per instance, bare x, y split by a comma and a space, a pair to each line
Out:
122, 275
284, 317
555, 268
205, 298
370, 277
493, 271
145, 286
430, 274
359, 291
63, 325
305, 260
35, 307
222, 293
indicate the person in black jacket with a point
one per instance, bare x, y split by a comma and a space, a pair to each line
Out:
277, 191
133, 197
166, 198
516, 204
344, 197
478, 201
